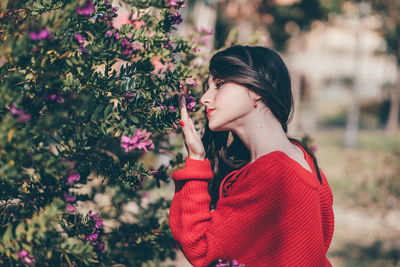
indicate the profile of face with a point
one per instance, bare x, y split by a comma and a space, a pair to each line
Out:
229, 104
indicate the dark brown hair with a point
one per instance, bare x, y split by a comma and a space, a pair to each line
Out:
262, 71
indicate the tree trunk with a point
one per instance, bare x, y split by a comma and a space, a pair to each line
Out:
393, 120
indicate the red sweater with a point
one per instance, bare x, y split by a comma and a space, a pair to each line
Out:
272, 212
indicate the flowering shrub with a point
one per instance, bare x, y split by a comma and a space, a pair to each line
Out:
69, 116
223, 263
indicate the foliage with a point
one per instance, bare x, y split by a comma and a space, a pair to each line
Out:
71, 119
286, 20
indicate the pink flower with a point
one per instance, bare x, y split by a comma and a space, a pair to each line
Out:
86, 9
109, 33
138, 24
116, 35
70, 208
203, 30
23, 256
136, 46
151, 34
43, 34
14, 110
191, 81
73, 178
158, 65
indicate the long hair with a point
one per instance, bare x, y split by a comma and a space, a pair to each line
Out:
262, 71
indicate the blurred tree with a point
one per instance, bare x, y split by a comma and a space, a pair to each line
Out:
69, 119
388, 11
285, 18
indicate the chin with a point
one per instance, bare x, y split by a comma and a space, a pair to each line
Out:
216, 128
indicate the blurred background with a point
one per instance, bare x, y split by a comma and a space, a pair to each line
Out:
344, 59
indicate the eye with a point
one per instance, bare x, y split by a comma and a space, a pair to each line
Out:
219, 84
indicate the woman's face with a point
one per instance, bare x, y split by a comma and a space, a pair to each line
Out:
230, 104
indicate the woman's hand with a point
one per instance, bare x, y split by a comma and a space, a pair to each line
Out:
191, 137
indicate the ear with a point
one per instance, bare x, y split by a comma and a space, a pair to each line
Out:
254, 97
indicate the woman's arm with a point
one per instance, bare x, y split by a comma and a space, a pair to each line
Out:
190, 216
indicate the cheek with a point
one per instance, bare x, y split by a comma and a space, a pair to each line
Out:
230, 106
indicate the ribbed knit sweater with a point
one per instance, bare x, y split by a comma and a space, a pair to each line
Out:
272, 212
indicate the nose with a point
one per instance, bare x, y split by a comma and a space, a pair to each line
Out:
206, 98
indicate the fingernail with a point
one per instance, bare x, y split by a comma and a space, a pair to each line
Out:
181, 123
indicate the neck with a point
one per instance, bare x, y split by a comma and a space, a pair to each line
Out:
262, 133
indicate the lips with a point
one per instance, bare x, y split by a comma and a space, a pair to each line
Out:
209, 111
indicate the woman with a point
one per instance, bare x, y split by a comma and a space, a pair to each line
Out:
261, 200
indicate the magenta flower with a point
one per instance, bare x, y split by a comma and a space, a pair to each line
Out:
223, 263
22, 116
23, 256
116, 35
176, 3
176, 18
128, 95
92, 215
70, 208
69, 198
93, 237
54, 97
138, 141
98, 224
190, 103
43, 34
100, 247
86, 9
79, 38
124, 42
73, 178
314, 148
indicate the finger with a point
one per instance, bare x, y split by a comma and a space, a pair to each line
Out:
184, 115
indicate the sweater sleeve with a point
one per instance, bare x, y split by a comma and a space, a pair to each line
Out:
190, 216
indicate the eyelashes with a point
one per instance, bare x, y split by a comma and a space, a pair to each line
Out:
219, 84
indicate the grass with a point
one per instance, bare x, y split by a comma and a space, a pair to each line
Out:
366, 183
